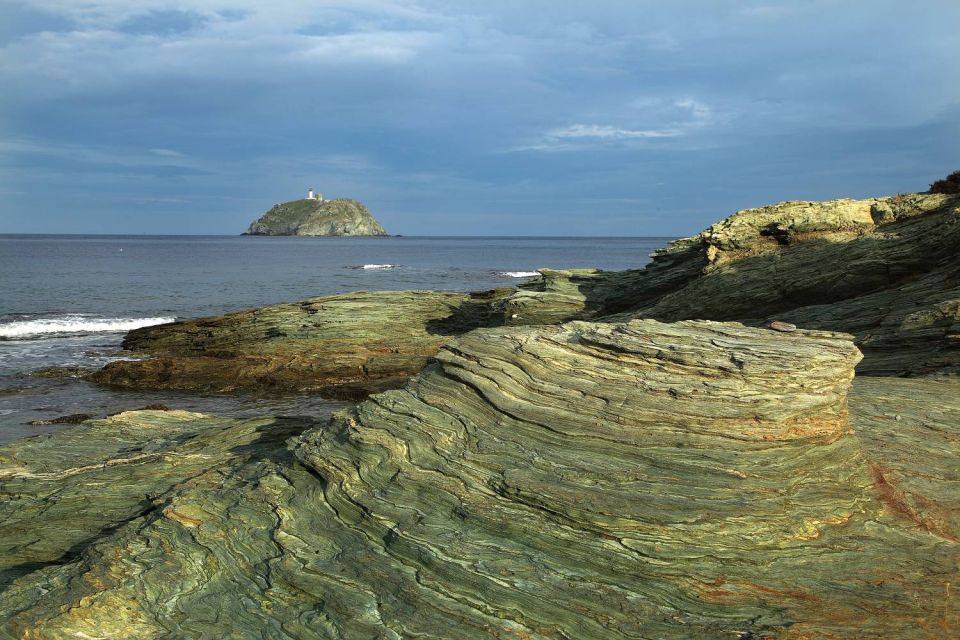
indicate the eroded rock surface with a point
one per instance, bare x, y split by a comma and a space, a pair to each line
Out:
590, 480
342, 346
883, 269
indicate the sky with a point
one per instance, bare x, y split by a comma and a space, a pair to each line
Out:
500, 117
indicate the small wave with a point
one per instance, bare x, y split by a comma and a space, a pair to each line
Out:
517, 274
76, 323
376, 267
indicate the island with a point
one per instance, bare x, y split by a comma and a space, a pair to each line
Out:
316, 216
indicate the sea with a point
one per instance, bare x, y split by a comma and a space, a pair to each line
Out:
68, 300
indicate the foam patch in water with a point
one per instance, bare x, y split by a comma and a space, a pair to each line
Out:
74, 324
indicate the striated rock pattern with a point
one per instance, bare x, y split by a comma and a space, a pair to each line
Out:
342, 346
883, 269
589, 480
59, 492
340, 217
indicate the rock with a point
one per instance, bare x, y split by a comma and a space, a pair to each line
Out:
74, 418
590, 480
894, 282
340, 217
910, 429
783, 327
62, 372
343, 346
61, 491
153, 406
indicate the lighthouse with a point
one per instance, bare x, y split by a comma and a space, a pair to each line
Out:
310, 195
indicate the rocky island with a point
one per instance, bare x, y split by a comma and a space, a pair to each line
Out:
756, 436
314, 216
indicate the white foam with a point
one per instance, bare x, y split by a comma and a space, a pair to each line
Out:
518, 274
378, 267
74, 323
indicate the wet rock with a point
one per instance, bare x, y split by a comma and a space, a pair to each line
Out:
73, 418
63, 372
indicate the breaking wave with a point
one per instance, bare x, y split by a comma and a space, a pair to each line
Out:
74, 323
517, 274
376, 267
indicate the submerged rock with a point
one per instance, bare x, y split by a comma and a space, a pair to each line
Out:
73, 418
308, 217
590, 480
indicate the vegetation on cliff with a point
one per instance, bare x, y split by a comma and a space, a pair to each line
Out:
340, 217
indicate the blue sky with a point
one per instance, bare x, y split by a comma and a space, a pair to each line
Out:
493, 118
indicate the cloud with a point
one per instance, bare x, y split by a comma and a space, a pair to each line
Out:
606, 132
167, 153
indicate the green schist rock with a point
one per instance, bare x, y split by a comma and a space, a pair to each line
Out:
891, 280
590, 480
344, 346
340, 217
59, 492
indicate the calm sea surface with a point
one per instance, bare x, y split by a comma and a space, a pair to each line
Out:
68, 300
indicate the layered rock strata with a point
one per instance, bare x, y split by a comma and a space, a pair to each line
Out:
341, 346
883, 269
590, 480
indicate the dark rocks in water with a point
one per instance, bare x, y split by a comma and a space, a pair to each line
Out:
308, 217
74, 418
63, 372
589, 480
153, 406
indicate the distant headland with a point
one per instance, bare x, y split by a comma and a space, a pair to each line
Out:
317, 216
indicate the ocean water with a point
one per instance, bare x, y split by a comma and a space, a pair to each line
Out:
68, 300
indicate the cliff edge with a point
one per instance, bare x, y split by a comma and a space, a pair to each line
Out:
308, 217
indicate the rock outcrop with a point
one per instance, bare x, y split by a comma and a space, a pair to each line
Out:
589, 480
343, 346
340, 217
883, 269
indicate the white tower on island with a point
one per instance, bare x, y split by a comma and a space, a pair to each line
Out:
310, 195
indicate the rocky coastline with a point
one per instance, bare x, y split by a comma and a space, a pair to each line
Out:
317, 217
634, 454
